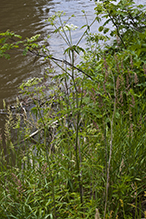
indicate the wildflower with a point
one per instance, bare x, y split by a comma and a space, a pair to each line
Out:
144, 68
122, 204
131, 129
106, 68
122, 81
135, 78
117, 83
104, 88
133, 101
127, 80
121, 96
69, 27
111, 212
145, 214
131, 61
18, 183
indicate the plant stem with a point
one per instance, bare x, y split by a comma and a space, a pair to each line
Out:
110, 154
77, 131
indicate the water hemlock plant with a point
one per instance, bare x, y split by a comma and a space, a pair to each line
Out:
79, 151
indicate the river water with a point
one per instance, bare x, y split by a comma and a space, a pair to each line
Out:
27, 18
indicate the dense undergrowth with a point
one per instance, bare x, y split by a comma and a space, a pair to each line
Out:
81, 150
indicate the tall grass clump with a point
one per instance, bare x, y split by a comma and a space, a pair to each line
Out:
78, 148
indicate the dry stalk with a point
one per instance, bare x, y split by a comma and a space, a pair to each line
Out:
97, 215
110, 154
18, 183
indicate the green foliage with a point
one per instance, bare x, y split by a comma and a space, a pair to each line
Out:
9, 41
80, 147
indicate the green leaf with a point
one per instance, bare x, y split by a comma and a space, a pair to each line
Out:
100, 29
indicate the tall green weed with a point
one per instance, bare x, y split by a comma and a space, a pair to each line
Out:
80, 149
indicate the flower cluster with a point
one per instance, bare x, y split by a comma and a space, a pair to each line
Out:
69, 27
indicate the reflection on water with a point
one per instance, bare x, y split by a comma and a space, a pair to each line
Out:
23, 18
27, 18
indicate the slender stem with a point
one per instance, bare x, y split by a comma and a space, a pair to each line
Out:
118, 32
53, 191
77, 131
69, 43
115, 24
70, 37
85, 32
111, 147
55, 60
65, 40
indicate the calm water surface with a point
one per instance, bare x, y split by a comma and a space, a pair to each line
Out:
27, 18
